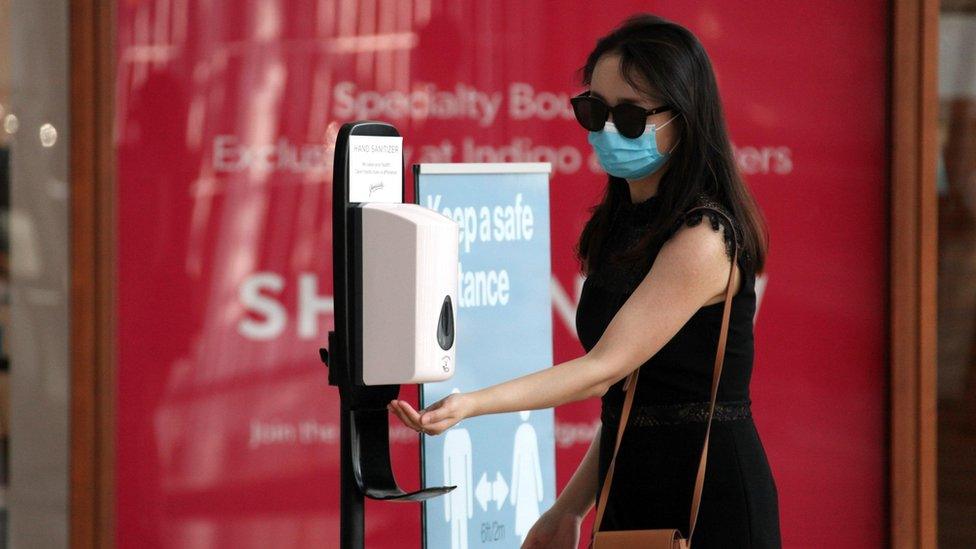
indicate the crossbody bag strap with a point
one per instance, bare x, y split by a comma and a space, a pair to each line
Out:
631, 384
716, 376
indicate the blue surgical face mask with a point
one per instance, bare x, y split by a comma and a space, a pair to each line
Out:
629, 158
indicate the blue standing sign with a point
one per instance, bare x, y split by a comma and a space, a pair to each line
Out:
504, 465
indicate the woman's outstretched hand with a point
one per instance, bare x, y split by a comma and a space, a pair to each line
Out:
436, 418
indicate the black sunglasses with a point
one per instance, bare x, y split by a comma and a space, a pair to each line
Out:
592, 113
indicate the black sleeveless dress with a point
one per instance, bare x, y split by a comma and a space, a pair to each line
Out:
657, 463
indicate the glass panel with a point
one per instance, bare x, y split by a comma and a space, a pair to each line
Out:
957, 275
34, 272
226, 113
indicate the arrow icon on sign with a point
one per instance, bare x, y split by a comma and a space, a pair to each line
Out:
499, 490
487, 491
483, 492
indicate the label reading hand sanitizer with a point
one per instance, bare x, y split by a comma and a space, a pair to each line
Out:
375, 168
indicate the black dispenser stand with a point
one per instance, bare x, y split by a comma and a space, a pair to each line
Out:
365, 468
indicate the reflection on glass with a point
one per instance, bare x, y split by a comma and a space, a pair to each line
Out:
34, 275
10, 123
956, 185
48, 135
4, 333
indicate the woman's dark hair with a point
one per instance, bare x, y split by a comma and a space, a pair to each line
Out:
668, 64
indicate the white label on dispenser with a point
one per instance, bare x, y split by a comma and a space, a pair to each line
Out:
375, 168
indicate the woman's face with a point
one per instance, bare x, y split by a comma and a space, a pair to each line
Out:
608, 84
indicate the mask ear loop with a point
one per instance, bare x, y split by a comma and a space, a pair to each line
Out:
656, 128
666, 123
673, 147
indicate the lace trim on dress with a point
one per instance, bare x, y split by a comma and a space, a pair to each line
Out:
692, 218
651, 415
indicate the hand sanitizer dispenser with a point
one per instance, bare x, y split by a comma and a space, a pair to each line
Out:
395, 266
409, 257
395, 282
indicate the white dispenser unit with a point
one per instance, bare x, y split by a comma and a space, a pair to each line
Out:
395, 283
408, 260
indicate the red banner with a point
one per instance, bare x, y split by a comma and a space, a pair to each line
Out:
226, 112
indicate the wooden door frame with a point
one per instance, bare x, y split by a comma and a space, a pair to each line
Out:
92, 240
913, 146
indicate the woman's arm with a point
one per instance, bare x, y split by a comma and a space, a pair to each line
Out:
576, 379
690, 269
580, 494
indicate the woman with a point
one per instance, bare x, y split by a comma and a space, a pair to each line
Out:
653, 299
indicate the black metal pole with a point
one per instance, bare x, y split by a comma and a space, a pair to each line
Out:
352, 510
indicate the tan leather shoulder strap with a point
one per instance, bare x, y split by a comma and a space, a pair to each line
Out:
716, 376
631, 384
